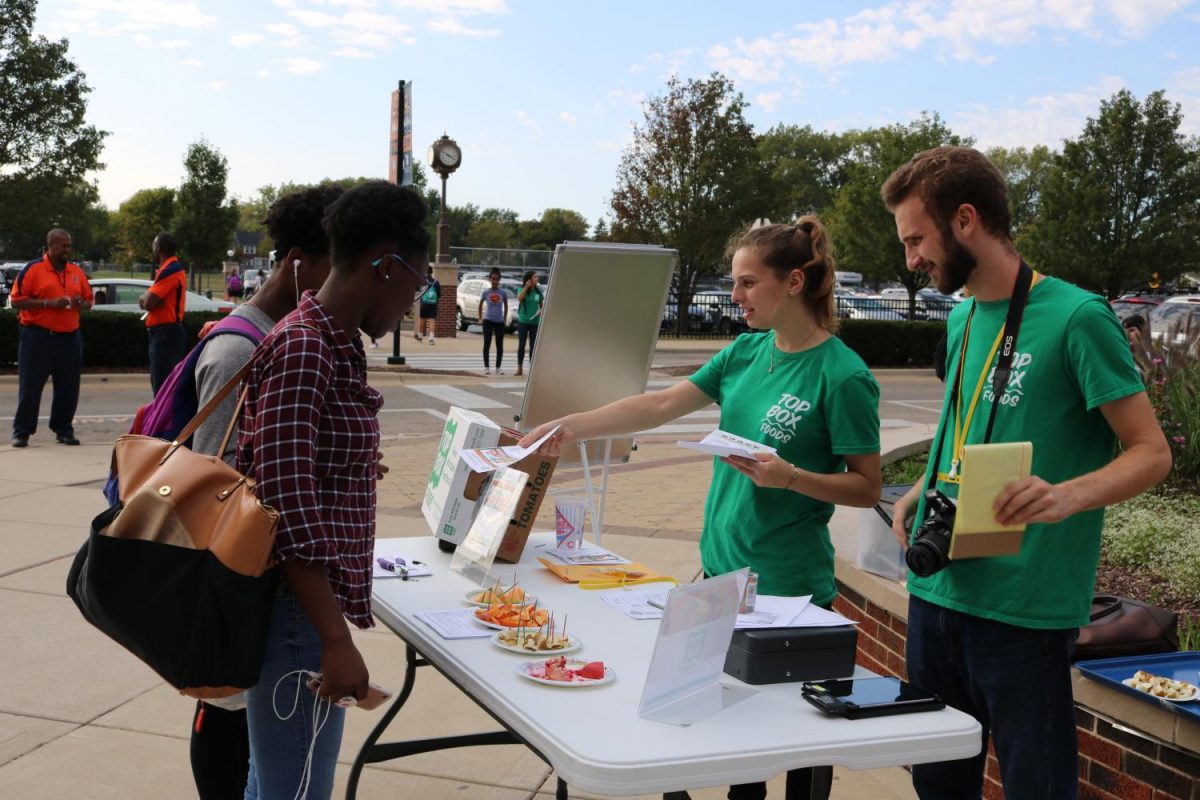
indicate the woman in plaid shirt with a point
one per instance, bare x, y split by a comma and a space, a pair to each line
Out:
310, 438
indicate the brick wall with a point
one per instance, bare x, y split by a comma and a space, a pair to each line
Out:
1113, 764
446, 325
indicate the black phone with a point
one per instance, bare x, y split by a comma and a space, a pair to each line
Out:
858, 698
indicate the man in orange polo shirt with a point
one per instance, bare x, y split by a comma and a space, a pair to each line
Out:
164, 302
49, 294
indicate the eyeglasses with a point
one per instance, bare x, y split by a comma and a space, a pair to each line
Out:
423, 281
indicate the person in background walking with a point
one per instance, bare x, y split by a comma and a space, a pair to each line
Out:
49, 294
493, 319
529, 314
164, 302
427, 314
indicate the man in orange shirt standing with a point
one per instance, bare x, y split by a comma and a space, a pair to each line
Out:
49, 294
164, 302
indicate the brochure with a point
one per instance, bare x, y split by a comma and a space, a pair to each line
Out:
490, 459
720, 443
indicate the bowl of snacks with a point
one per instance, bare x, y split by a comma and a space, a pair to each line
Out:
505, 595
507, 615
563, 671
1162, 688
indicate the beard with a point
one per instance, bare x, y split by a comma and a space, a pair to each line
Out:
957, 265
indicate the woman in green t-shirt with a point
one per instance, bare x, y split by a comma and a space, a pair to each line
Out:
529, 314
795, 387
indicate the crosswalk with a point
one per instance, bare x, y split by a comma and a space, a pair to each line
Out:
430, 359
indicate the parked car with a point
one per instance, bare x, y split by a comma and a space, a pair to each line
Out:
930, 303
1141, 303
469, 292
721, 312
121, 294
1179, 316
858, 306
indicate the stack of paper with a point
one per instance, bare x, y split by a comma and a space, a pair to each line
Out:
770, 611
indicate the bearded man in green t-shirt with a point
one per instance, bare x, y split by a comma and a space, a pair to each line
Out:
993, 636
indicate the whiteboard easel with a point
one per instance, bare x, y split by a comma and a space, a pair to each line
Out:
599, 327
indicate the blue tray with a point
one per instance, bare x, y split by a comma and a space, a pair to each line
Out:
1176, 666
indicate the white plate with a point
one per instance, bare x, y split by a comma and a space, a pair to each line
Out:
573, 663
1195, 693
573, 645
529, 599
493, 625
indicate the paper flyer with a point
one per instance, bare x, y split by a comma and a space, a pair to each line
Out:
474, 556
490, 459
720, 443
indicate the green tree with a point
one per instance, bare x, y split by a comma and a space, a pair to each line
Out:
1026, 172
138, 220
805, 169
601, 233
46, 147
1123, 201
490, 232
861, 228
688, 179
204, 220
555, 226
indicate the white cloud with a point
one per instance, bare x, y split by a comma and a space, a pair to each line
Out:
283, 29
1184, 88
452, 27
263, 73
217, 86
1139, 16
568, 117
173, 44
458, 8
352, 52
960, 30
245, 39
769, 100
634, 69
356, 28
301, 66
534, 127
1042, 119
115, 17
190, 62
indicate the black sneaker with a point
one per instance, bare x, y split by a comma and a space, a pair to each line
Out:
66, 439
20, 440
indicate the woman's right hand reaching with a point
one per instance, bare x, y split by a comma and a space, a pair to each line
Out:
563, 437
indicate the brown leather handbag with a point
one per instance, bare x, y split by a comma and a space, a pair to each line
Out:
180, 571
1120, 627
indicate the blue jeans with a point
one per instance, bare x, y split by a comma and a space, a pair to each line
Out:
168, 346
43, 354
1017, 682
278, 748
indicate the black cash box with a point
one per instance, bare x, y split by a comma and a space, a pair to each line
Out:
782, 655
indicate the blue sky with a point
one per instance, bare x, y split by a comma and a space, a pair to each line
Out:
543, 95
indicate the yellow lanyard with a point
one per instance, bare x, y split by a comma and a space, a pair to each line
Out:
961, 426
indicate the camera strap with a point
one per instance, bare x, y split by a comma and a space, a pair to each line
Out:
1007, 344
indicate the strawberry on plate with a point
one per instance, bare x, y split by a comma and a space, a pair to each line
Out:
593, 670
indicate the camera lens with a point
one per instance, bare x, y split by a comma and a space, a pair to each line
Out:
928, 554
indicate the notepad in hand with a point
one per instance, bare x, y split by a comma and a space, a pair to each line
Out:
986, 470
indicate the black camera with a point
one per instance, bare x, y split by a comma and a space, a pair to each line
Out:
930, 550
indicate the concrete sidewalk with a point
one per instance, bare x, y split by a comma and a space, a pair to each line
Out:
81, 718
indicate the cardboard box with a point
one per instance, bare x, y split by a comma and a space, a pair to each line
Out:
540, 469
446, 508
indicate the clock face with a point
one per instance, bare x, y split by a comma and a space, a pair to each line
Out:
431, 157
449, 156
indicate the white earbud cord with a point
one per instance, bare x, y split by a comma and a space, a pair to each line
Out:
320, 704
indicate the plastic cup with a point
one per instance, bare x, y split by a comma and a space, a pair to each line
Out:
569, 513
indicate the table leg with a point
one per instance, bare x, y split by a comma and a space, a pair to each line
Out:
360, 760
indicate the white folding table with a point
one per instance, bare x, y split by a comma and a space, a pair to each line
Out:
592, 736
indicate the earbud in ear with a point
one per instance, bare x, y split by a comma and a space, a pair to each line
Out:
295, 262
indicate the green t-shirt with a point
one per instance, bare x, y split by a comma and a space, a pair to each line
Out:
817, 406
531, 304
1071, 358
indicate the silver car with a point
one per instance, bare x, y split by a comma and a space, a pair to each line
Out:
121, 294
472, 289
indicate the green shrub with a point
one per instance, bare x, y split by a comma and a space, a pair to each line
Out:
111, 340
892, 344
1171, 373
1157, 532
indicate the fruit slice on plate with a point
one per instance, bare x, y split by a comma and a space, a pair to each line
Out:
563, 671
